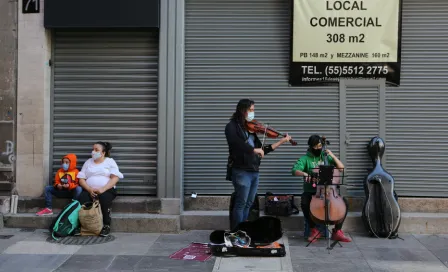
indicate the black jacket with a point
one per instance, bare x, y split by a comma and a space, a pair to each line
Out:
241, 153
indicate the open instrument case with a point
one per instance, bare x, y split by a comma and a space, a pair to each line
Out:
263, 232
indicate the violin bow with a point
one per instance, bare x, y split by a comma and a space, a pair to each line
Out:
264, 136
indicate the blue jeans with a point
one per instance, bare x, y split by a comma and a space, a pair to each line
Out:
50, 191
246, 185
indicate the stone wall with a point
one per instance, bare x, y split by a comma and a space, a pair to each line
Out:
8, 76
33, 103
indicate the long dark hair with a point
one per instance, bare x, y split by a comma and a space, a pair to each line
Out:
107, 147
241, 108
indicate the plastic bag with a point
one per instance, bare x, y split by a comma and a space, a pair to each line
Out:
91, 218
237, 239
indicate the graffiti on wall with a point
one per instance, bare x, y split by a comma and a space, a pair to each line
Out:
9, 151
7, 159
7, 145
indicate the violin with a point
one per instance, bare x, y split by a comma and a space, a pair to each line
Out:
327, 206
256, 127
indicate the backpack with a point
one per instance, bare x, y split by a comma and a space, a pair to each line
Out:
66, 221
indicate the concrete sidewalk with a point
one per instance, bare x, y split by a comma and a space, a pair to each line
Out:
29, 251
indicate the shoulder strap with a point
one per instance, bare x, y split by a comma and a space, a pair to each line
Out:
242, 130
295, 210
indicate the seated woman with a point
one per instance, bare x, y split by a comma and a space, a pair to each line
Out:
98, 178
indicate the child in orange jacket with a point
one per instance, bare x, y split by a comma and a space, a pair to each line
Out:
65, 184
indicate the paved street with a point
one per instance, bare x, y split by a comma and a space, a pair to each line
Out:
29, 251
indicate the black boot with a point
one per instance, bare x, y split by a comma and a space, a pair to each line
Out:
105, 231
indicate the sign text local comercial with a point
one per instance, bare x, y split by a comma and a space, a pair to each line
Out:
333, 39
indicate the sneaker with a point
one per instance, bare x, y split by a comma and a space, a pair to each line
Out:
46, 211
313, 234
105, 231
340, 236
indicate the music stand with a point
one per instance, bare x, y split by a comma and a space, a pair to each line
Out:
325, 178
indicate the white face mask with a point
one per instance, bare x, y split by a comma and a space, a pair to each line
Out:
250, 116
96, 155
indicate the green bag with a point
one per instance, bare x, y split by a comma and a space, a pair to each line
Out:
67, 221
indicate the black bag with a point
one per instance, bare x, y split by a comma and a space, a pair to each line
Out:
254, 212
262, 232
279, 205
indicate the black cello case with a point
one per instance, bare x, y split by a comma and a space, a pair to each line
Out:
381, 212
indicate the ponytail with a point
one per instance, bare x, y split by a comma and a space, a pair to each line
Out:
107, 147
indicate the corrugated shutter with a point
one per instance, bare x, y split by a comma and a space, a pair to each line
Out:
105, 88
238, 49
417, 111
362, 124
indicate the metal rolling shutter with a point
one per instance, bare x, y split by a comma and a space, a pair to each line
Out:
105, 88
362, 124
417, 111
238, 49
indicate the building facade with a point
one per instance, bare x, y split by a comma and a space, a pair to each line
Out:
161, 90
94, 72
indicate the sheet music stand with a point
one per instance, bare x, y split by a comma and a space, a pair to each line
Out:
325, 177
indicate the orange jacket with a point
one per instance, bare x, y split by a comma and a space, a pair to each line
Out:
72, 173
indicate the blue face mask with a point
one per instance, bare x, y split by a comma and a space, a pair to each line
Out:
65, 166
250, 116
96, 155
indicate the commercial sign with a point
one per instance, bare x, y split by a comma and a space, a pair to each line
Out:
333, 39
112, 14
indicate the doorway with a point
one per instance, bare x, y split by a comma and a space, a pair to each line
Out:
362, 117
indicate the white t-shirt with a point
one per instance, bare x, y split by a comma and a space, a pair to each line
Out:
98, 175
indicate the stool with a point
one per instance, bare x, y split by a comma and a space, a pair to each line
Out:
321, 228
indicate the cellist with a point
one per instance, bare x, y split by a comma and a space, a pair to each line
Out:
245, 153
304, 167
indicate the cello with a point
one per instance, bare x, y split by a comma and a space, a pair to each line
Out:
381, 212
327, 207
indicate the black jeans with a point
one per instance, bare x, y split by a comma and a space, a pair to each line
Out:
305, 202
105, 199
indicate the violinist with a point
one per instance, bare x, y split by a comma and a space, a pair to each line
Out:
245, 154
304, 167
